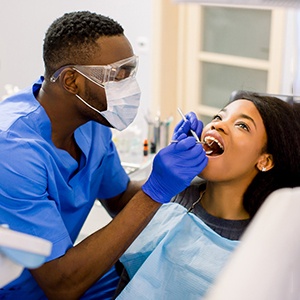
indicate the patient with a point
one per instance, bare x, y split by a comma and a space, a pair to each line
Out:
261, 155
253, 147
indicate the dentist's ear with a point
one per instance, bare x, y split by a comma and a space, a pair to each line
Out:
69, 80
265, 162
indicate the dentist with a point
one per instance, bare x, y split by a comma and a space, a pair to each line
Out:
57, 157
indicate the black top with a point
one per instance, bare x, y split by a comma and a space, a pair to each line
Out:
230, 229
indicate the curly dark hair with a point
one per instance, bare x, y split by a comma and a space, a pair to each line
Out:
71, 39
283, 142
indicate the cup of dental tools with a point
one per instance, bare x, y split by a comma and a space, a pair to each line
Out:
158, 132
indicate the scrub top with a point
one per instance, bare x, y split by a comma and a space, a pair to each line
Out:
44, 191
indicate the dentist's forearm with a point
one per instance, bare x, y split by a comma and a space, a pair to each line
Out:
69, 276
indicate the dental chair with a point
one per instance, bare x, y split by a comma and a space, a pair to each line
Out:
291, 99
266, 265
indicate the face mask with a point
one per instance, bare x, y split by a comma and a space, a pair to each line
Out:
123, 99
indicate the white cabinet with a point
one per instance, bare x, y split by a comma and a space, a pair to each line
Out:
232, 49
210, 51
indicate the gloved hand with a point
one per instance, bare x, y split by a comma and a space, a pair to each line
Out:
183, 127
174, 167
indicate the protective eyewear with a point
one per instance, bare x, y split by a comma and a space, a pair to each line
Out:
100, 74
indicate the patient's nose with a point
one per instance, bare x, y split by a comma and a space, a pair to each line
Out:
219, 126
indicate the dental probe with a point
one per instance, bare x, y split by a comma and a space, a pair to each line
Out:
192, 131
207, 152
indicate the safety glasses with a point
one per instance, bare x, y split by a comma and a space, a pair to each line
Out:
100, 74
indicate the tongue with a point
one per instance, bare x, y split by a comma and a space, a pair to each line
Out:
214, 147
206, 147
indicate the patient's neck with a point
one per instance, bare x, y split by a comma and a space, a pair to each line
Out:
224, 201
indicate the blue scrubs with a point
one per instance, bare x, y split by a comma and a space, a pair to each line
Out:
44, 191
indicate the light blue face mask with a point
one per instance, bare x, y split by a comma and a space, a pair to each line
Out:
177, 256
123, 99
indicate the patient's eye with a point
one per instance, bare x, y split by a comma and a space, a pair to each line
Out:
243, 126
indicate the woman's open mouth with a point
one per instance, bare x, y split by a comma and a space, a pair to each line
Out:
212, 146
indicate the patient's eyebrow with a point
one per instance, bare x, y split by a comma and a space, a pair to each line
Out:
243, 116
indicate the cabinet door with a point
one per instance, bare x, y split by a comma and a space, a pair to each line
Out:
204, 53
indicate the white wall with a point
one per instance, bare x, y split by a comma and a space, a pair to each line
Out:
24, 23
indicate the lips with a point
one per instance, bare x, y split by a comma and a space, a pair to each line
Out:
213, 145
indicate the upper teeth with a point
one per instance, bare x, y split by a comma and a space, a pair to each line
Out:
209, 140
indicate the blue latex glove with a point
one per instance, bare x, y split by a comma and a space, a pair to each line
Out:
174, 167
184, 127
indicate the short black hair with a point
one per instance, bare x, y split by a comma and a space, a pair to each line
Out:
283, 143
71, 39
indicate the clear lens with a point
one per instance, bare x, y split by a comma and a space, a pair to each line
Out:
124, 68
101, 74
98, 74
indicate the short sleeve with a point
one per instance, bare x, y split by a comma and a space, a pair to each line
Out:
24, 201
